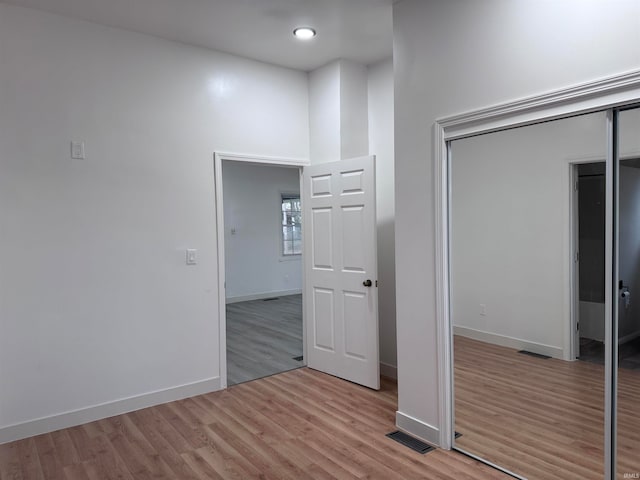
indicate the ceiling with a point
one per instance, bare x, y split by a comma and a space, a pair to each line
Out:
359, 30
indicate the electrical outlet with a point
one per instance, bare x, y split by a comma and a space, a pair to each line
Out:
483, 310
192, 256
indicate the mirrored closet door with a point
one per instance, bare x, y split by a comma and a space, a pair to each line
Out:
628, 293
527, 297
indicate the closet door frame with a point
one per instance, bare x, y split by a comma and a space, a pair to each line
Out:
608, 95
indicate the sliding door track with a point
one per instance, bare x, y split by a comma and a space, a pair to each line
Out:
486, 462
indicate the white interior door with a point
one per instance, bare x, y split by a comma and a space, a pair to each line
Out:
340, 291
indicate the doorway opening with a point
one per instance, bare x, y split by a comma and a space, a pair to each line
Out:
590, 192
338, 263
590, 263
260, 218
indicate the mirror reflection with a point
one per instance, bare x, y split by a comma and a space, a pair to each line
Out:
628, 301
527, 297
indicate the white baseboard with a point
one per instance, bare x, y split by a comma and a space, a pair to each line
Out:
260, 296
628, 338
418, 428
509, 342
90, 414
387, 370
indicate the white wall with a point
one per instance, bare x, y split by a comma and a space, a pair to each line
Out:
254, 264
354, 118
380, 112
324, 114
96, 303
338, 111
456, 56
510, 232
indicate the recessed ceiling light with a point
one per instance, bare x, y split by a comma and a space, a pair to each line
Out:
304, 33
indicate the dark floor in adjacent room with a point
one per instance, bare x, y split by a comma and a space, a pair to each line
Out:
628, 353
263, 337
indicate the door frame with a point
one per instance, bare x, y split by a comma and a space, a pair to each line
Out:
600, 95
218, 158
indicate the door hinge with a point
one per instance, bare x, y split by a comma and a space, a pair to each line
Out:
376, 283
578, 326
577, 257
575, 186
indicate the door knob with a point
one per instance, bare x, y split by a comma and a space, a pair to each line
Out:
367, 283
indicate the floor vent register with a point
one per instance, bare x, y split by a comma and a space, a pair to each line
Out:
411, 442
533, 354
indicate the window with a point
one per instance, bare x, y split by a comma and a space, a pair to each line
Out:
291, 225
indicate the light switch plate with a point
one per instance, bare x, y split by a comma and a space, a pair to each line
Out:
192, 256
77, 150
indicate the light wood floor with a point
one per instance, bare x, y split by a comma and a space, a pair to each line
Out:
542, 419
297, 425
263, 337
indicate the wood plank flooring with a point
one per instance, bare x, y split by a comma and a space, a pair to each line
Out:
263, 337
297, 425
540, 418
